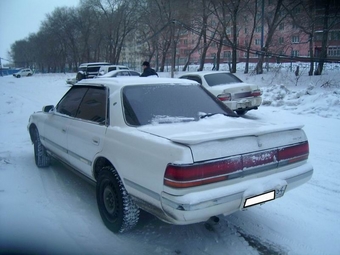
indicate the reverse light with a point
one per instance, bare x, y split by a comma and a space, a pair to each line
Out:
224, 97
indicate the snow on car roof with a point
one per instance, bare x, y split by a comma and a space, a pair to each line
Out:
204, 72
120, 82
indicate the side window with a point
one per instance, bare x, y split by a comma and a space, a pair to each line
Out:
112, 68
123, 73
194, 78
70, 102
93, 106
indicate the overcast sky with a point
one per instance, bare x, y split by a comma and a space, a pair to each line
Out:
19, 18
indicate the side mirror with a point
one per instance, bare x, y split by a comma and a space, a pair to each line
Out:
47, 108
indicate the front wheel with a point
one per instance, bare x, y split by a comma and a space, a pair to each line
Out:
18, 76
117, 209
42, 159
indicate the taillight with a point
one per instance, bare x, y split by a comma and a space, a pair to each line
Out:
191, 175
184, 176
293, 154
256, 93
224, 97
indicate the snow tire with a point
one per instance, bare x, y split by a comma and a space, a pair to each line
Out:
117, 209
42, 159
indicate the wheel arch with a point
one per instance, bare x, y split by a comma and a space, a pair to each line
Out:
33, 134
99, 163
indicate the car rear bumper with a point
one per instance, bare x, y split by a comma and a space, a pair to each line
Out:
244, 104
200, 206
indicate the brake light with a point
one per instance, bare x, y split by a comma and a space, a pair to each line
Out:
191, 175
293, 154
224, 97
184, 176
256, 93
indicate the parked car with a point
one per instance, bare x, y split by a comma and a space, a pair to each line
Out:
71, 81
108, 68
23, 72
119, 73
89, 70
237, 95
169, 147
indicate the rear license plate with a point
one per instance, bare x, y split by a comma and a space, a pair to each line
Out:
255, 200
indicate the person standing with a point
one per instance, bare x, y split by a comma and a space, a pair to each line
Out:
147, 70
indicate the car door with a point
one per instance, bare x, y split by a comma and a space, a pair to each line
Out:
87, 130
55, 132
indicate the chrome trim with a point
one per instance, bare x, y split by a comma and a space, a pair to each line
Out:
205, 204
142, 189
299, 177
76, 156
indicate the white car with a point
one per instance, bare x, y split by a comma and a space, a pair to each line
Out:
119, 73
108, 68
23, 72
237, 95
169, 147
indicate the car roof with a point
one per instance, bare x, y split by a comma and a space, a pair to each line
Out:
94, 63
115, 65
205, 72
119, 82
109, 74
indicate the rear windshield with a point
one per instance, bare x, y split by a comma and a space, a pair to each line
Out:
168, 104
220, 79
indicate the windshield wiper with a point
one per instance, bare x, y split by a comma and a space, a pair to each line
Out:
212, 114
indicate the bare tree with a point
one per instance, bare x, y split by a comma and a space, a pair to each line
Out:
249, 22
331, 18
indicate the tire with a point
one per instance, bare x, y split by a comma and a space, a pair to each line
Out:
18, 76
42, 159
117, 209
241, 112
29, 75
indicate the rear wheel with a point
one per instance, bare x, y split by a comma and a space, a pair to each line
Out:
42, 159
117, 209
241, 112
18, 76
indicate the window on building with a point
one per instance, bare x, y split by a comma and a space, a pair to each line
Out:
334, 51
227, 54
295, 53
295, 39
185, 41
246, 30
281, 40
257, 41
335, 35
282, 26
258, 29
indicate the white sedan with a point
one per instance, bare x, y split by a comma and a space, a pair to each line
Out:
237, 95
169, 147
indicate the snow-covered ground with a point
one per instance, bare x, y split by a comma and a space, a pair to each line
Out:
54, 211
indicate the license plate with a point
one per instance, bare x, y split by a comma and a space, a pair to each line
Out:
255, 200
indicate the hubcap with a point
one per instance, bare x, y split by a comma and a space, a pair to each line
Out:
109, 200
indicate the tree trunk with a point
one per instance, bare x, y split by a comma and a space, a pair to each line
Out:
323, 54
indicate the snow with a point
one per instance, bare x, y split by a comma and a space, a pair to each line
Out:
54, 210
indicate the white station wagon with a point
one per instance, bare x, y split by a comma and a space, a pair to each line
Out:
169, 147
239, 96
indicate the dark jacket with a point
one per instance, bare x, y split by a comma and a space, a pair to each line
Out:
148, 71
